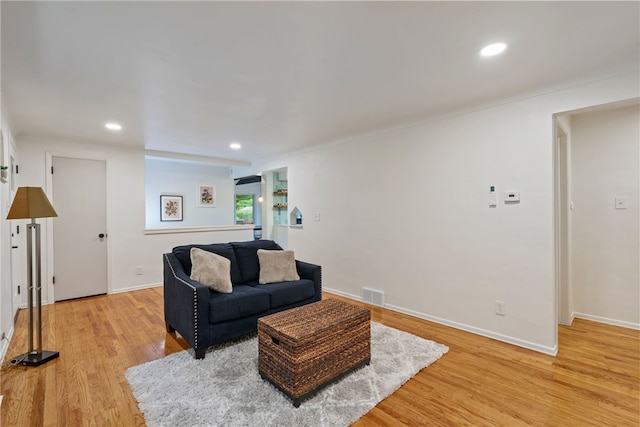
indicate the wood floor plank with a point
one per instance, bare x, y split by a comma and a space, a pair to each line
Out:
593, 381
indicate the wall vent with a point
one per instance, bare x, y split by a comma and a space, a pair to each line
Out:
372, 296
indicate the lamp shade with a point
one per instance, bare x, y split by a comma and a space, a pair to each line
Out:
30, 202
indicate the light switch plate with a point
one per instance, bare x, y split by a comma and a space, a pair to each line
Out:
493, 199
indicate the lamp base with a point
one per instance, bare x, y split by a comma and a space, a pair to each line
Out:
35, 359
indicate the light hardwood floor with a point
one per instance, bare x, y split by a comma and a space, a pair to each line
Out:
593, 381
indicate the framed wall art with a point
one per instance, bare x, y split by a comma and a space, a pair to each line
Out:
170, 208
206, 196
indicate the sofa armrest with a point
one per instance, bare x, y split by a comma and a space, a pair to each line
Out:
311, 272
186, 304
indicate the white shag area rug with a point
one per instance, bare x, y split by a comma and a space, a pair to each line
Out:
225, 388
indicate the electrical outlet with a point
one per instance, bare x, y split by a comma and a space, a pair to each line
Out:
621, 202
139, 270
501, 309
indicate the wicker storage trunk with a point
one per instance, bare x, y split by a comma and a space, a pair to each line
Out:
302, 349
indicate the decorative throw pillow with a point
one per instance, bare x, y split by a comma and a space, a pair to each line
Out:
277, 266
212, 270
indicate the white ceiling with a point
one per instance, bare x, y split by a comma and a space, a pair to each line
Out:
191, 77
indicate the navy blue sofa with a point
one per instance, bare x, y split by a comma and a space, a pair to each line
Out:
204, 317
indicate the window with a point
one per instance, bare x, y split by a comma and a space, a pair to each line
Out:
244, 209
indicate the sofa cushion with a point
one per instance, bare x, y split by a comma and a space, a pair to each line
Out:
247, 256
242, 302
286, 293
183, 253
276, 266
212, 270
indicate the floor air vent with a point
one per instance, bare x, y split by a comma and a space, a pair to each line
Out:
372, 296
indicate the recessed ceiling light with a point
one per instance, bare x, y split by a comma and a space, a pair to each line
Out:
235, 146
493, 49
113, 126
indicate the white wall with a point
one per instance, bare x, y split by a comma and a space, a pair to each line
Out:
406, 211
448, 264
182, 179
129, 246
605, 240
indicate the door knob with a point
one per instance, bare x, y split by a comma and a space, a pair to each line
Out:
101, 235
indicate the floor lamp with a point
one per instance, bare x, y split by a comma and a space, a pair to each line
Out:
31, 202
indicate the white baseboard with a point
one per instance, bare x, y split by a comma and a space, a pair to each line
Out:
3, 350
552, 351
115, 291
606, 320
343, 294
136, 288
4, 344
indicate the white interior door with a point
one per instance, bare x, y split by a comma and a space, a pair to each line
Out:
17, 287
17, 250
79, 251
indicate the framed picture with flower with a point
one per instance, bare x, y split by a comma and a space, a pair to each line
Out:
170, 208
206, 196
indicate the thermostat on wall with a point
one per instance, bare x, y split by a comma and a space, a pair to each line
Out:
511, 196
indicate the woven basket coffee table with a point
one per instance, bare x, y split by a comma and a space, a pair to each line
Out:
305, 348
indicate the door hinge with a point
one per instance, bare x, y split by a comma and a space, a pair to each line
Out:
51, 170
17, 170
54, 280
17, 229
18, 289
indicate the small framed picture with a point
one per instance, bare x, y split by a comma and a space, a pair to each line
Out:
170, 208
206, 196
